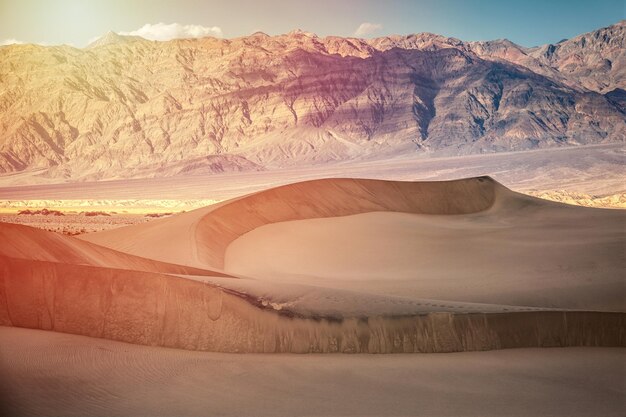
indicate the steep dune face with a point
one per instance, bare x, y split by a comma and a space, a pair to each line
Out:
169, 239
79, 287
154, 309
516, 251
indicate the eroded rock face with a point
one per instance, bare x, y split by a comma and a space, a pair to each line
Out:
128, 107
592, 61
595, 60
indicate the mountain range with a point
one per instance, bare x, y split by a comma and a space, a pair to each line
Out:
128, 107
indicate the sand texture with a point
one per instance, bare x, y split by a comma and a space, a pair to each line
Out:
52, 373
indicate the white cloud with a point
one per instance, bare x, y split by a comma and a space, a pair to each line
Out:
165, 32
10, 42
367, 28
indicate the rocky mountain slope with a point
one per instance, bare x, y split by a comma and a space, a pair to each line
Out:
126, 106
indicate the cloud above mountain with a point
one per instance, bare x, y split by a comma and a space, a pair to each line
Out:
165, 32
10, 42
367, 28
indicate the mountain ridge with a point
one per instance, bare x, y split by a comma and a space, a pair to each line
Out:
125, 105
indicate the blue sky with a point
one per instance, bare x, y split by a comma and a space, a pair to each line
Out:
529, 23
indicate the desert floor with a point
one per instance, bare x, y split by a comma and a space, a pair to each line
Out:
595, 170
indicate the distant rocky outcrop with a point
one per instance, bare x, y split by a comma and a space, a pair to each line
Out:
128, 107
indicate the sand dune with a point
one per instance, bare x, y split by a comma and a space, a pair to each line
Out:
525, 257
468, 240
212, 229
248, 275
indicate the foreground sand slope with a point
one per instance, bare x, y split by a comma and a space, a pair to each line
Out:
52, 282
48, 373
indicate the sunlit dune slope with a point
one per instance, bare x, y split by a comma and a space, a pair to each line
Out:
23, 242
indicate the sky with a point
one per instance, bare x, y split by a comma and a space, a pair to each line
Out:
526, 22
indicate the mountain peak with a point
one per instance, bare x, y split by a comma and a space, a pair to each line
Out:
300, 32
112, 38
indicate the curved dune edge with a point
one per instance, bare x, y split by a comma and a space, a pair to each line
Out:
332, 198
160, 310
206, 233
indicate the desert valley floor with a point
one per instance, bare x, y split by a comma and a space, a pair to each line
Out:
273, 301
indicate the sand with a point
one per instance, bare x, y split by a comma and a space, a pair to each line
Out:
48, 373
34, 245
464, 241
208, 231
492, 257
321, 267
